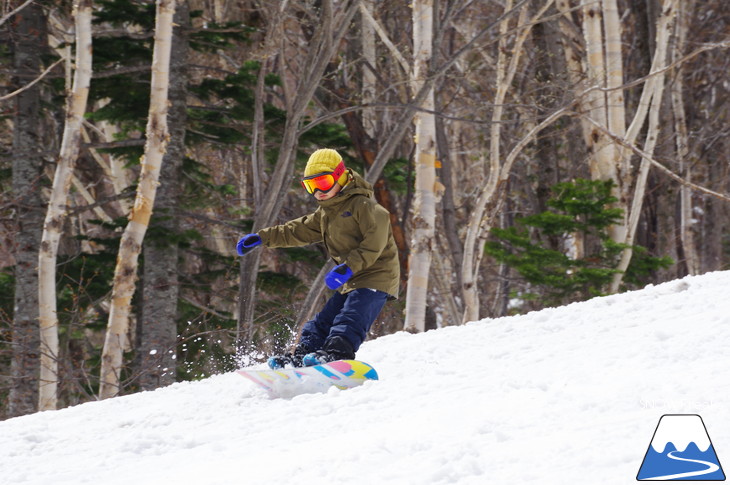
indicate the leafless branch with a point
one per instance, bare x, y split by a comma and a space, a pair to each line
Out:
208, 220
136, 142
206, 309
682, 60
124, 195
10, 14
122, 70
638, 151
123, 33
34, 81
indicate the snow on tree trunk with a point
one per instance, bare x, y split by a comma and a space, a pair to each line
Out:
424, 206
125, 273
56, 213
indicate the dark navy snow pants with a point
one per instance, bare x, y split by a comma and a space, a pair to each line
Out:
350, 316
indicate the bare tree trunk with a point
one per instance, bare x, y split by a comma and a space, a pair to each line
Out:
160, 288
368, 18
448, 205
686, 235
424, 206
448, 212
573, 43
498, 171
601, 68
248, 267
657, 82
56, 214
615, 105
369, 80
604, 163
130, 246
470, 267
29, 44
329, 32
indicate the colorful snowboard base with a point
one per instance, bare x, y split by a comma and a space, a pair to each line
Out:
290, 382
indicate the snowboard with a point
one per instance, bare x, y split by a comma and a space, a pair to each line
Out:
290, 382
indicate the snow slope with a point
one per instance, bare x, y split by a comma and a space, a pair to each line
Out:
568, 395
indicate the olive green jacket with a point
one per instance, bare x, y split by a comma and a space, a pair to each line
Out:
356, 231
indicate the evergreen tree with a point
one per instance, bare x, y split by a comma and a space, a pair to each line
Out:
544, 248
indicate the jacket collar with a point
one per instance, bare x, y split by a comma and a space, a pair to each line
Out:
356, 186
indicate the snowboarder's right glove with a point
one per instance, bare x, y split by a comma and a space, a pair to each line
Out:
247, 243
338, 276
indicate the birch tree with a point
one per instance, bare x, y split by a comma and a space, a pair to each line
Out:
605, 157
423, 217
56, 213
650, 103
160, 289
125, 273
689, 248
600, 76
479, 218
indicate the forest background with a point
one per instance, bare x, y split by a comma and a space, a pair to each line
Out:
531, 153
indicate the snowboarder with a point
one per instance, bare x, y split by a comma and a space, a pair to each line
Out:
356, 232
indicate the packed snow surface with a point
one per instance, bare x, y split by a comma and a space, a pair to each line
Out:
568, 395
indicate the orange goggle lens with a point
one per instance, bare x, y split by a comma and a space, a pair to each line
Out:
319, 182
323, 181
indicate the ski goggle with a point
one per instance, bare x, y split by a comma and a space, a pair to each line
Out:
323, 181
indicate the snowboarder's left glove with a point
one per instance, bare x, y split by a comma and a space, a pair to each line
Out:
247, 243
338, 276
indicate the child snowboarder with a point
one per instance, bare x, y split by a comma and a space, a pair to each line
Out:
356, 232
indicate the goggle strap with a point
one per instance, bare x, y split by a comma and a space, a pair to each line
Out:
336, 173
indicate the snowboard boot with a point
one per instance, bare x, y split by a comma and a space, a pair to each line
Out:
335, 348
289, 359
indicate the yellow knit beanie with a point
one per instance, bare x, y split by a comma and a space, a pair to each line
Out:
325, 160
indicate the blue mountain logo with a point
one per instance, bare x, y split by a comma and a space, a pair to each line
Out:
681, 450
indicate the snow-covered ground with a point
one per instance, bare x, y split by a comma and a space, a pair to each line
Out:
569, 395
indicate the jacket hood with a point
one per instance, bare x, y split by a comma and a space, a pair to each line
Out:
356, 186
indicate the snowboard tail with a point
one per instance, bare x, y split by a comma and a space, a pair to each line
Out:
343, 374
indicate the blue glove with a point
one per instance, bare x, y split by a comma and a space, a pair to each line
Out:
338, 276
247, 243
